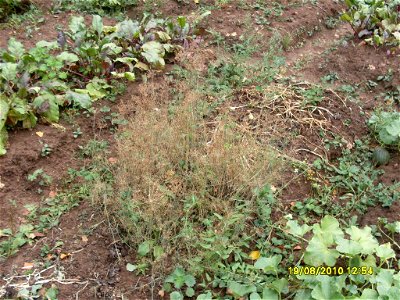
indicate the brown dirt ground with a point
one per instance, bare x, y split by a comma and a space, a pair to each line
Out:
99, 263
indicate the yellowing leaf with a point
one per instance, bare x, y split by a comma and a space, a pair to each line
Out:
85, 239
39, 134
254, 255
64, 255
142, 66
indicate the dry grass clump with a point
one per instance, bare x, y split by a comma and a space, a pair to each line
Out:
176, 171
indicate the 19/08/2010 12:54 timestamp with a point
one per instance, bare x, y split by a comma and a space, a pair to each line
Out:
331, 271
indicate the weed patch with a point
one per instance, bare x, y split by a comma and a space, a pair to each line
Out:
186, 186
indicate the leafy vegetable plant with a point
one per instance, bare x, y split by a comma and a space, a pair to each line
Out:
8, 7
377, 20
386, 127
80, 67
339, 262
180, 279
98, 6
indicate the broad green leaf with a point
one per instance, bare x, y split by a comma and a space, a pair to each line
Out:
329, 230
169, 48
176, 296
240, 290
97, 24
326, 289
318, 254
4, 109
130, 76
207, 296
270, 294
35, 288
254, 296
346, 17
189, 292
179, 278
93, 93
23, 294
51, 293
268, 264
190, 280
348, 246
7, 57
128, 29
296, 229
369, 294
77, 24
46, 106
30, 120
48, 45
384, 281
280, 285
109, 29
67, 57
364, 238
34, 89
144, 248
18, 110
154, 52
79, 99
111, 48
5, 232
303, 295
369, 262
397, 227
182, 21
15, 48
142, 66
128, 61
394, 129
386, 137
130, 267
385, 251
158, 251
355, 261
127, 75
26, 229
163, 36
9, 71
19, 241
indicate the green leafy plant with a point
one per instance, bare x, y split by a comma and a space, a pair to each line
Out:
369, 271
96, 6
339, 262
46, 150
386, 128
9, 7
41, 177
179, 280
77, 133
351, 181
375, 20
35, 84
37, 290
